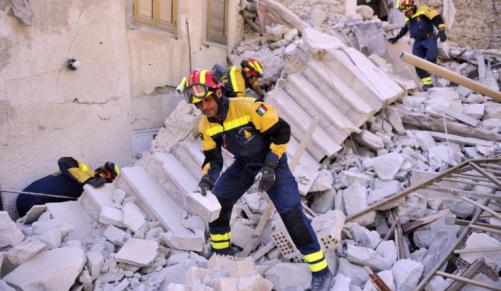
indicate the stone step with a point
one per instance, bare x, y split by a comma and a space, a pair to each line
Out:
321, 144
315, 102
338, 93
189, 153
306, 159
176, 172
153, 199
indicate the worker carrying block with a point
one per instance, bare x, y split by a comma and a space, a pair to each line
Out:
419, 22
257, 137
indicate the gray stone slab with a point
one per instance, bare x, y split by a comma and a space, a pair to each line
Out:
138, 252
55, 270
74, 214
9, 233
93, 200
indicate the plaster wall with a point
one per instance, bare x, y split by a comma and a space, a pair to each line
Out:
125, 81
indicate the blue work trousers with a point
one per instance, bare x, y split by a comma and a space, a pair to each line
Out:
426, 49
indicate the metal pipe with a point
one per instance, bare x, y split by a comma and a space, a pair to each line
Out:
450, 75
38, 194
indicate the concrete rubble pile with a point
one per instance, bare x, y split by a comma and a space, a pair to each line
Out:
148, 230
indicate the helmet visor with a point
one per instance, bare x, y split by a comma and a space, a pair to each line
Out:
196, 92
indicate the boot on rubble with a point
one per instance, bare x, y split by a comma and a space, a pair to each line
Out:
322, 282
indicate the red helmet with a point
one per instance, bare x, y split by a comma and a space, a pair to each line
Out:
200, 84
252, 66
405, 5
108, 172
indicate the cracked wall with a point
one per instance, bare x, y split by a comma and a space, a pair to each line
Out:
125, 81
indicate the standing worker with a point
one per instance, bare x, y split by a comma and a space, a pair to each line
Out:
236, 80
67, 183
419, 21
257, 137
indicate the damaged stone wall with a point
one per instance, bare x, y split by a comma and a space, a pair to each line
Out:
475, 24
125, 80
305, 9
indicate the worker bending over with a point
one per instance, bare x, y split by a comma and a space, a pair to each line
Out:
68, 183
257, 137
236, 80
419, 21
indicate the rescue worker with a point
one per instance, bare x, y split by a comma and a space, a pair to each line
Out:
237, 79
419, 21
67, 182
257, 137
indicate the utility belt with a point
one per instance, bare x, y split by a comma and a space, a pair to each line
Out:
425, 36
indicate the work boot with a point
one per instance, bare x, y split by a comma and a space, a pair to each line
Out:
322, 282
426, 87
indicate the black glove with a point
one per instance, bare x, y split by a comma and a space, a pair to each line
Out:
393, 40
266, 176
442, 35
96, 182
205, 185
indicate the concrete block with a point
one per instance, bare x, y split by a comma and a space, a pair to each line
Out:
387, 277
254, 283
380, 259
424, 139
323, 202
187, 242
474, 110
40, 227
118, 196
95, 262
356, 273
341, 282
51, 238
348, 178
227, 284
355, 200
481, 240
323, 181
9, 234
24, 251
395, 120
154, 199
177, 287
55, 270
196, 275
406, 274
385, 190
34, 213
74, 214
207, 206
237, 267
328, 228
305, 177
241, 233
138, 252
368, 139
116, 236
134, 218
112, 215
388, 165
364, 237
288, 275
93, 200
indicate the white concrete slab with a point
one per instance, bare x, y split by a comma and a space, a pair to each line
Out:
73, 213
9, 233
138, 252
175, 170
305, 177
207, 206
158, 203
55, 270
93, 200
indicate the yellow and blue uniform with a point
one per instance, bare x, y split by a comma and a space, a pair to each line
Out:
253, 132
420, 27
67, 182
234, 83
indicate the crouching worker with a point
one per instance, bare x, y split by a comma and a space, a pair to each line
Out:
67, 183
257, 137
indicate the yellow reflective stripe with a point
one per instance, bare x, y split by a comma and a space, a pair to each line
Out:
318, 266
441, 26
228, 125
117, 170
316, 256
214, 130
220, 245
84, 167
219, 237
233, 79
205, 169
427, 80
418, 14
202, 76
80, 175
258, 67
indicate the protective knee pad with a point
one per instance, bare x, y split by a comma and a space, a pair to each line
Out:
296, 226
224, 216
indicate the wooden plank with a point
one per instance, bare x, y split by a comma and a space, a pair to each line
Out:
410, 226
440, 136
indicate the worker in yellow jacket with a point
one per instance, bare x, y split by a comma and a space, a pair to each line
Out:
257, 137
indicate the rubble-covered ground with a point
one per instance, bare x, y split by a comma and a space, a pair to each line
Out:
125, 236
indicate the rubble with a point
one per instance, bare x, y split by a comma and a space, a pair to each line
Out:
148, 229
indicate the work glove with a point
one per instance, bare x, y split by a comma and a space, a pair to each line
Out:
205, 185
393, 40
266, 176
96, 182
442, 35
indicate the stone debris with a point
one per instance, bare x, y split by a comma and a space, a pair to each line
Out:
148, 230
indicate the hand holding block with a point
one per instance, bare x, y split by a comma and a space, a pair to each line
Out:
207, 207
